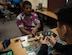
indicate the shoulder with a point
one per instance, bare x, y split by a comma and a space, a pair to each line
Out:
19, 16
34, 14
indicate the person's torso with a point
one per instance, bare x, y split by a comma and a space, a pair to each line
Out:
68, 50
29, 23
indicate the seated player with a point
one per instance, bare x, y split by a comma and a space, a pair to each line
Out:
64, 28
28, 21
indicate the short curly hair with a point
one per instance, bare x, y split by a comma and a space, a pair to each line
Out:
26, 3
64, 14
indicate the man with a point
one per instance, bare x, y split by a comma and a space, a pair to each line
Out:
64, 26
28, 21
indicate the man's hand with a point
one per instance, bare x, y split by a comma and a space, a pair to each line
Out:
34, 31
24, 31
52, 40
44, 41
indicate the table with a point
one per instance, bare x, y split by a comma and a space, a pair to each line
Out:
47, 17
47, 13
16, 46
19, 48
54, 30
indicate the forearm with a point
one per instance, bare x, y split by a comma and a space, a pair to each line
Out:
43, 50
37, 26
59, 47
24, 31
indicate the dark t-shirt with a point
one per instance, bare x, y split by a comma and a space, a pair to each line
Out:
64, 49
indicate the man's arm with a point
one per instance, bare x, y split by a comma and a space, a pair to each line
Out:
38, 24
24, 31
20, 25
55, 44
43, 50
44, 47
36, 29
59, 47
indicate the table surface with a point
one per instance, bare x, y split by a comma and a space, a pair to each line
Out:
17, 47
54, 30
47, 13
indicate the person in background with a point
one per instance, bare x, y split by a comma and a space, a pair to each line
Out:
18, 7
7, 13
1, 6
27, 21
64, 28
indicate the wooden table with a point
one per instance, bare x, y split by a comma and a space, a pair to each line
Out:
54, 30
16, 47
47, 17
47, 13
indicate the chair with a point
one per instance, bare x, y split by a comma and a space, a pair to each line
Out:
2, 17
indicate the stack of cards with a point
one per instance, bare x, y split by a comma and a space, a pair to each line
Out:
30, 45
24, 41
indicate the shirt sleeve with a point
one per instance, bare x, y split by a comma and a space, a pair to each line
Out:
43, 50
37, 21
19, 22
59, 47
37, 18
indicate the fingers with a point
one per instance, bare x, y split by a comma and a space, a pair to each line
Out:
52, 40
50, 37
33, 32
44, 39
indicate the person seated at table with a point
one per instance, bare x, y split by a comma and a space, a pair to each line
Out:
28, 21
64, 25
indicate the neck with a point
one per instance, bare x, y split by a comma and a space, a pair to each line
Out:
28, 17
27, 14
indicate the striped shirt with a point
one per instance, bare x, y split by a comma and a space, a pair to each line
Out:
28, 24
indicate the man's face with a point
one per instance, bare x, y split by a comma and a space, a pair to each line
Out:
60, 31
27, 9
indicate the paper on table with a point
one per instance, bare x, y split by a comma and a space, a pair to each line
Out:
24, 38
24, 41
24, 44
